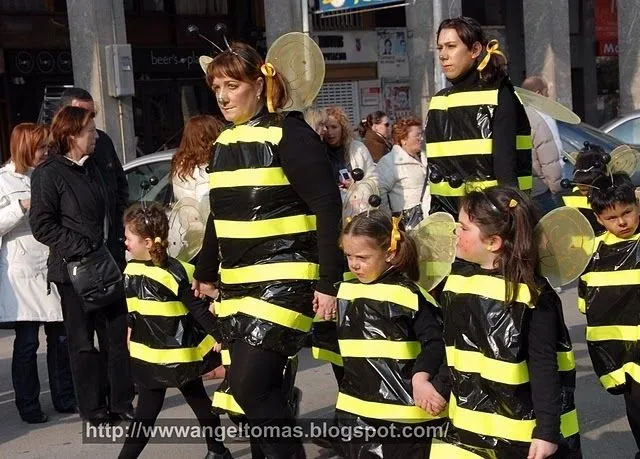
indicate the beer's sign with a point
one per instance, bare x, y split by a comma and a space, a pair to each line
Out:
326, 6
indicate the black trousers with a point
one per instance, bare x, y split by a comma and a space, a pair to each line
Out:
632, 403
87, 363
150, 403
256, 382
24, 368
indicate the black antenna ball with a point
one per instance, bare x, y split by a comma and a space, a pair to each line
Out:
193, 29
221, 28
566, 183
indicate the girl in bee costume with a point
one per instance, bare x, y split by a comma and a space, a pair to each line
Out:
508, 350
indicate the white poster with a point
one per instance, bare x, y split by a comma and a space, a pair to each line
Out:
397, 101
392, 53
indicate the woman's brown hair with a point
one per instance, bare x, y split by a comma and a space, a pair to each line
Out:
378, 227
371, 119
508, 213
67, 123
400, 130
243, 63
26, 138
200, 133
150, 221
470, 32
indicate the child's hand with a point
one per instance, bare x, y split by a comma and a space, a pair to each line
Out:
128, 336
202, 289
426, 396
540, 449
217, 347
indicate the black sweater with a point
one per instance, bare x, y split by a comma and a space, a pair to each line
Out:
305, 162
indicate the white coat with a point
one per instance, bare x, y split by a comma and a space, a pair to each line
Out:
401, 179
195, 187
360, 158
23, 260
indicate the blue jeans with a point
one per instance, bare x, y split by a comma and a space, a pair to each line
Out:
24, 368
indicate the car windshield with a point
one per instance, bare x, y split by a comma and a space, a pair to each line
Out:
575, 135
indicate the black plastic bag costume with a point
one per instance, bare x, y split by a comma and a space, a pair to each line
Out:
379, 345
609, 294
490, 407
168, 347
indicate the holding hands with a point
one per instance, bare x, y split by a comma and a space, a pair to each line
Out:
425, 395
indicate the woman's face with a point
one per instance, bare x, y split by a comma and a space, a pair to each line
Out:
412, 144
85, 141
333, 132
238, 100
455, 58
39, 154
383, 127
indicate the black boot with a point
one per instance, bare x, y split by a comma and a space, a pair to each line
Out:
214, 455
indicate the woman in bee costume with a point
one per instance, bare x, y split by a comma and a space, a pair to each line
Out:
477, 131
271, 243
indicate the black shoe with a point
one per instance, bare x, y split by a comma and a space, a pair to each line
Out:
294, 401
100, 419
68, 410
127, 416
214, 455
35, 418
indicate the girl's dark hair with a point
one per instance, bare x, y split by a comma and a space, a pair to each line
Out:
368, 122
508, 213
243, 63
611, 190
590, 164
378, 226
470, 32
150, 221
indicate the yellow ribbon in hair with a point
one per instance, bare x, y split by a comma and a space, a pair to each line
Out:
269, 71
493, 47
395, 233
158, 240
513, 203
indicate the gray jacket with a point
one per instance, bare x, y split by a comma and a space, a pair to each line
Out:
545, 157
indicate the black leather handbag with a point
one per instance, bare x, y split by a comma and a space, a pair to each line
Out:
97, 279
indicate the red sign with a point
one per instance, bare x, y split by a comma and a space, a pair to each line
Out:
606, 15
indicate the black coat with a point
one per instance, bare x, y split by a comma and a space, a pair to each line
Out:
67, 211
108, 163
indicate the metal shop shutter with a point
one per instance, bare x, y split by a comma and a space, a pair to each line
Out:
343, 94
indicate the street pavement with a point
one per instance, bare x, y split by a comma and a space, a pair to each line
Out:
603, 424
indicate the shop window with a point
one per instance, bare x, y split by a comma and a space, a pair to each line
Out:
33, 6
202, 7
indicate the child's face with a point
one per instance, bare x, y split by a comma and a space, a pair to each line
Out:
136, 245
621, 220
472, 246
366, 260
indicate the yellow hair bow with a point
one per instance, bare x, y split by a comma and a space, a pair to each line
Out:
513, 203
493, 47
158, 240
269, 71
395, 234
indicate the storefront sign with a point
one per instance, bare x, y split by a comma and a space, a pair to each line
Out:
337, 5
606, 15
347, 47
167, 60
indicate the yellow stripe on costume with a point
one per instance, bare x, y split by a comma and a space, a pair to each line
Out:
166, 356
225, 356
378, 348
459, 148
582, 305
270, 271
610, 239
226, 402
612, 278
488, 368
464, 99
442, 450
578, 202
160, 275
157, 308
319, 353
379, 292
264, 176
495, 425
234, 229
566, 361
613, 333
385, 411
444, 189
244, 133
485, 286
618, 377
267, 311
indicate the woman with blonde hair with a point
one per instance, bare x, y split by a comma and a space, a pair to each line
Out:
345, 153
26, 301
189, 177
316, 118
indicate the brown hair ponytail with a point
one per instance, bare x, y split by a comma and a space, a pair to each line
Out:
386, 233
149, 221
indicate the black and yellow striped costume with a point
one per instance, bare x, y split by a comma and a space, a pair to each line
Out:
609, 295
459, 137
168, 347
379, 346
491, 407
579, 201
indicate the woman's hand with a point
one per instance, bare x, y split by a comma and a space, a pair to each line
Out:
324, 305
25, 204
203, 289
345, 184
425, 395
128, 336
541, 449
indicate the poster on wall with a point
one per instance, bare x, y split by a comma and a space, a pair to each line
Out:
397, 100
392, 53
606, 15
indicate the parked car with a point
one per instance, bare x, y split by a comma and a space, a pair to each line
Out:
153, 170
626, 128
